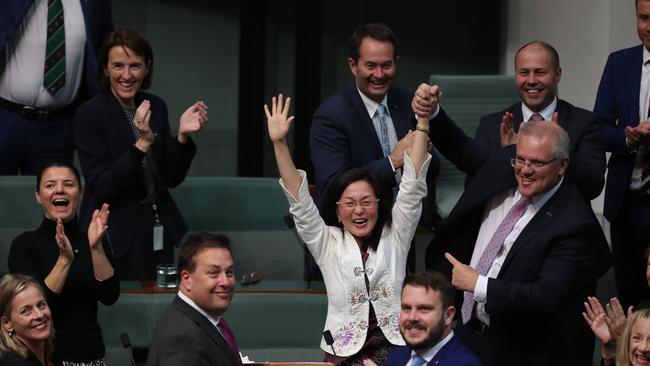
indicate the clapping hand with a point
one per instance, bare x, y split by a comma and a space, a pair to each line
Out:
98, 226
278, 119
595, 316
615, 318
65, 248
192, 120
141, 122
507, 133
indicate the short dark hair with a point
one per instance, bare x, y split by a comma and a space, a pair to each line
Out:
195, 242
555, 57
58, 164
333, 195
129, 39
377, 31
435, 281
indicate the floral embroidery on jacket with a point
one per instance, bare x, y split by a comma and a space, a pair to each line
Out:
344, 335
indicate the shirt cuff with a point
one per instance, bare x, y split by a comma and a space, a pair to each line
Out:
391, 163
434, 115
480, 290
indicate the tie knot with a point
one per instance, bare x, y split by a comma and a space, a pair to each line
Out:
416, 360
381, 111
536, 117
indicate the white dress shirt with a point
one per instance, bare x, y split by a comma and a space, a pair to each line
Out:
496, 210
431, 352
636, 181
547, 112
22, 79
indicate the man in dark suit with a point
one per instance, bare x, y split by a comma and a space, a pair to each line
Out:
622, 105
537, 75
369, 123
37, 106
533, 245
191, 330
425, 324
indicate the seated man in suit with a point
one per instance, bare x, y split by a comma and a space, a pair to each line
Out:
525, 247
425, 324
192, 330
537, 75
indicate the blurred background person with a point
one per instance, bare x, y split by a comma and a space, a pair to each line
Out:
361, 246
73, 266
130, 159
49, 54
26, 335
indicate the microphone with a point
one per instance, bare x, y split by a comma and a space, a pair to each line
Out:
329, 340
126, 343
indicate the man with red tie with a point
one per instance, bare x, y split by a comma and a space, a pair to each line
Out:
192, 330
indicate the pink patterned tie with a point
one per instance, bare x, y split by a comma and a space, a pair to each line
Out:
536, 117
494, 247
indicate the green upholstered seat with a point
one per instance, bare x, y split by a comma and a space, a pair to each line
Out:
466, 98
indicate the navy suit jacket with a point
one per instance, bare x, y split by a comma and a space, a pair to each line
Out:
98, 20
343, 137
587, 167
184, 337
454, 353
617, 106
550, 268
111, 166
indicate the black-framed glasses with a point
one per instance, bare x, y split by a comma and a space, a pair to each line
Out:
351, 205
535, 164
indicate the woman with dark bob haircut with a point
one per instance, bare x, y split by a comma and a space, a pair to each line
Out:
360, 247
26, 321
130, 158
73, 266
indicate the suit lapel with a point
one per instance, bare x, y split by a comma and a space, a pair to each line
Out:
634, 87
446, 350
362, 120
401, 116
204, 324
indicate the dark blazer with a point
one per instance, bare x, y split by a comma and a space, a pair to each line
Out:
617, 106
587, 166
343, 137
454, 353
12, 358
184, 337
535, 304
111, 164
98, 20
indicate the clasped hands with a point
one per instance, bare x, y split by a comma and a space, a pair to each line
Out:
638, 135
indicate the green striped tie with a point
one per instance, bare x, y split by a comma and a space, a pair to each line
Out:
54, 76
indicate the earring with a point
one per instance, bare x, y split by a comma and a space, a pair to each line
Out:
339, 219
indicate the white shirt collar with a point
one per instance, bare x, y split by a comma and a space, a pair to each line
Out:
371, 105
547, 112
646, 55
191, 303
429, 354
539, 200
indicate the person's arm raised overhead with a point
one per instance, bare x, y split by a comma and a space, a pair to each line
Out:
278, 123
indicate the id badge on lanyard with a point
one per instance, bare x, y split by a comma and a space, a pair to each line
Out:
158, 231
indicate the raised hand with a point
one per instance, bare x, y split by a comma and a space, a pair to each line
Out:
65, 248
507, 133
98, 226
426, 99
192, 120
278, 120
595, 318
463, 277
397, 155
141, 122
615, 318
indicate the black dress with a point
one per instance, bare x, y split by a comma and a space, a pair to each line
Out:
12, 358
77, 337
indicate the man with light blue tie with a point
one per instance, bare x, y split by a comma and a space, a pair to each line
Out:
425, 324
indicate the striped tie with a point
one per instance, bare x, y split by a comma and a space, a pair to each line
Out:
54, 74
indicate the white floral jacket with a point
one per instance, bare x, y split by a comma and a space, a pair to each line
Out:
339, 259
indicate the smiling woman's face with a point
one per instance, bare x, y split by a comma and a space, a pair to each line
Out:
59, 193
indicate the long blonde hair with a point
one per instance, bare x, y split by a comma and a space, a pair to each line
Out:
622, 358
10, 286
